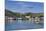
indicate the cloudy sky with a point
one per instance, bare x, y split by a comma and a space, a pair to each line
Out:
24, 7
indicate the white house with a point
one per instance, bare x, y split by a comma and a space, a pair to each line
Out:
27, 16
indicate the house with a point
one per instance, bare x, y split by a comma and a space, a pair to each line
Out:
27, 16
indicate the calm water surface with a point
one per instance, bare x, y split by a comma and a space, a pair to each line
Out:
22, 25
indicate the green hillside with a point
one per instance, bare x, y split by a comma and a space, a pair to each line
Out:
10, 13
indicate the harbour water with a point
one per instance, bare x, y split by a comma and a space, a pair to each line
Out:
22, 25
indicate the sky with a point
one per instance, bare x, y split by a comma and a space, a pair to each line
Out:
24, 7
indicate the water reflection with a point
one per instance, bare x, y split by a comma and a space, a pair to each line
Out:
22, 24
